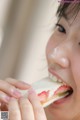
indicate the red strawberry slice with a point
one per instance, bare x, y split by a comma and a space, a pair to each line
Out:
43, 96
62, 89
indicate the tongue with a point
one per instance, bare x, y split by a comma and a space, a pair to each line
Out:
62, 89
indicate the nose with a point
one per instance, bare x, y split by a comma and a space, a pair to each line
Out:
59, 57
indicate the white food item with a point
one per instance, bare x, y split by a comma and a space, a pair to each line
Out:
53, 100
45, 85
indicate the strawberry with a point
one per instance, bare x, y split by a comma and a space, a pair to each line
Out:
62, 89
43, 96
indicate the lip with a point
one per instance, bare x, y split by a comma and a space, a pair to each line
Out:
62, 101
52, 71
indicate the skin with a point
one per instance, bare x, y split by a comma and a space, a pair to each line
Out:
26, 108
20, 107
8, 89
63, 51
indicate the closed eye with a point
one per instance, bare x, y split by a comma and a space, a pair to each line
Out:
60, 28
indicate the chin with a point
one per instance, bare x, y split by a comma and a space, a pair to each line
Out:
59, 114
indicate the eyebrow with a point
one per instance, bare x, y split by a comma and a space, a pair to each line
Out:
67, 19
64, 16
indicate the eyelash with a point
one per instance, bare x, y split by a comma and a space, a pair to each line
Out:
60, 28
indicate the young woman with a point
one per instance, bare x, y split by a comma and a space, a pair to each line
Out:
63, 56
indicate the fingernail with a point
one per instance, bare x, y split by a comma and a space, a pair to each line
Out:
17, 93
24, 83
7, 99
12, 98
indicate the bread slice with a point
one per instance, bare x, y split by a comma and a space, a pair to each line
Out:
45, 90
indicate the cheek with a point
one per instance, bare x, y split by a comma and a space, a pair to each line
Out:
48, 48
76, 71
53, 42
51, 45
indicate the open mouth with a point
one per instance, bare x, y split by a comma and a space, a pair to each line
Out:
56, 93
64, 90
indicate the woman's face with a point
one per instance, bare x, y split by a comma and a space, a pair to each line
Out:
63, 56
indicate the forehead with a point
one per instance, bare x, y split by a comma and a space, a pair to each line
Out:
68, 11
72, 13
75, 20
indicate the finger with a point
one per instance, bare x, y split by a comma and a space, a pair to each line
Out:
9, 89
37, 107
14, 111
26, 109
18, 84
4, 97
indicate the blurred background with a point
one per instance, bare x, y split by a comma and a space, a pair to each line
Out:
25, 28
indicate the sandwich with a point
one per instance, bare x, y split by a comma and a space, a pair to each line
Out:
49, 90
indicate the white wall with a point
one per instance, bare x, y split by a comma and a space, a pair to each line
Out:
31, 64
4, 7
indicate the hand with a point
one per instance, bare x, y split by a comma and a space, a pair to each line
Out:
8, 89
26, 108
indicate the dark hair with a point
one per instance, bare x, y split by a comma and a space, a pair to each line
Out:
68, 10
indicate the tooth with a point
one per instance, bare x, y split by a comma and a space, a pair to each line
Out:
64, 83
55, 79
51, 76
60, 80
